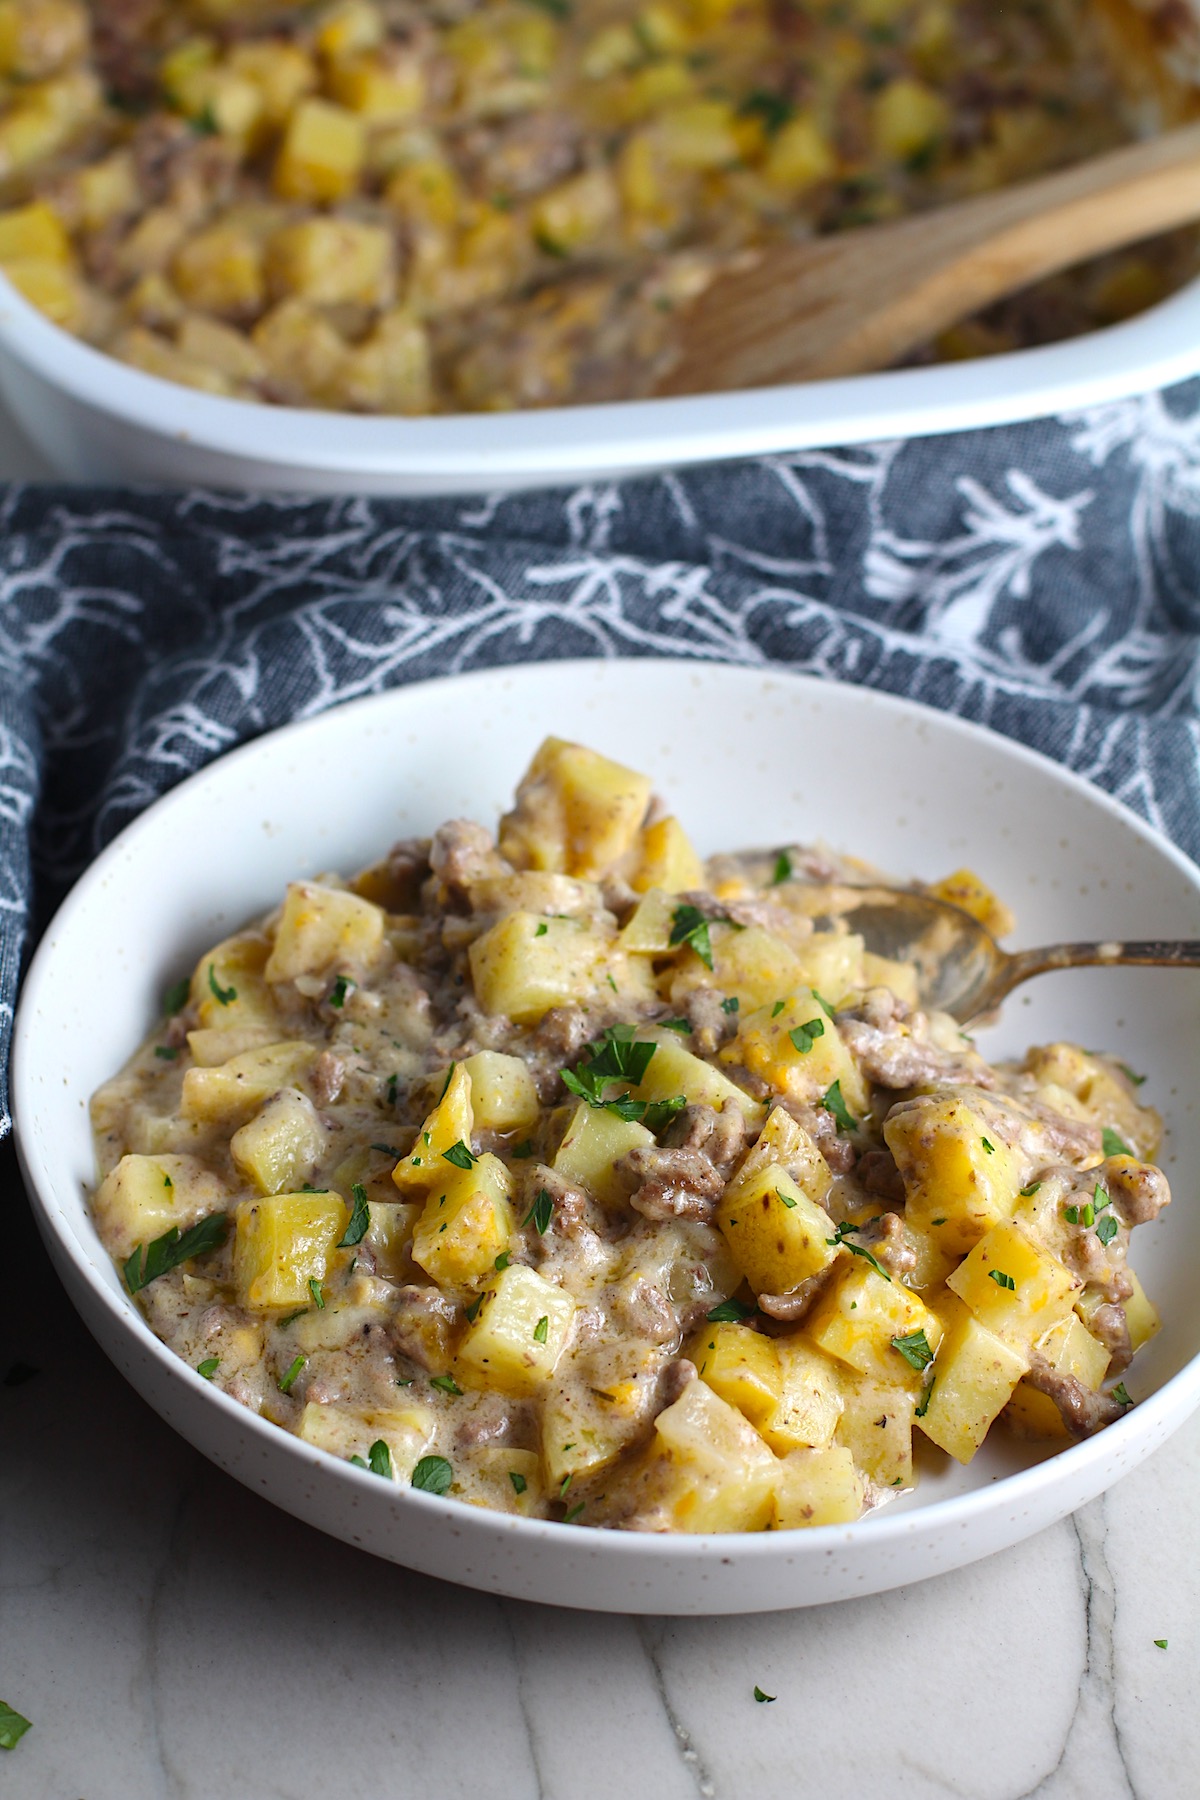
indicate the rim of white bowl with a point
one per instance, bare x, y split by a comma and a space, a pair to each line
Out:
1178, 1395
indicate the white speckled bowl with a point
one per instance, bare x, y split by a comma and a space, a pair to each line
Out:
744, 756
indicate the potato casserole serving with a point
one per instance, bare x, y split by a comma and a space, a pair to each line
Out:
570, 1176
414, 206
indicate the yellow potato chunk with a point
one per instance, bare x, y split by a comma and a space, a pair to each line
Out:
1103, 1095
859, 1316
810, 1402
220, 270
647, 931
778, 1236
960, 1174
884, 971
593, 1142
673, 1070
818, 1487
754, 964
577, 811
382, 92
833, 963
800, 156
451, 1122
389, 1235
53, 289
973, 1379
503, 1480
519, 1333
964, 889
667, 859
1070, 1349
908, 117
321, 927
228, 989
876, 1426
467, 1223
33, 232
524, 965
284, 1242
1013, 1286
721, 1476
331, 262
351, 1431
281, 1145
322, 154
797, 1049
145, 1195
784, 1141
503, 1094
741, 1365
282, 72
236, 1088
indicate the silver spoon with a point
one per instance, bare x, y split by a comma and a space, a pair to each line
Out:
961, 970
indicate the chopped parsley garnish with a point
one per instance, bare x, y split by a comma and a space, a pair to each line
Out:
777, 1009
774, 111
166, 1052
176, 997
360, 1219
445, 1088
988, 1146
541, 1328
914, 1348
386, 1149
12, 1727
564, 1485
1112, 1145
1159, 1643
391, 1090
805, 1036
379, 1459
1027, 1193
1107, 1229
682, 1026
503, 1260
1129, 1075
523, 1150
689, 926
208, 1367
618, 1056
923, 1407
341, 988
768, 1699
290, 1318
149, 1261
833, 1103
314, 1288
1080, 1215
730, 1004
285, 1381
1002, 1280
460, 1156
432, 1475
826, 1008
542, 929
1121, 1395
224, 995
447, 1384
472, 1311
786, 1199
518, 1480
540, 1213
730, 1312
783, 862
842, 1241
569, 1518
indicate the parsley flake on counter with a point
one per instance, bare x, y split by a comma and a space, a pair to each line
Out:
541, 1328
1112, 1145
447, 1384
149, 1261
208, 1367
360, 1219
689, 926
460, 1156
1107, 1229
226, 996
432, 1475
805, 1036
1121, 1395
518, 1480
783, 862
767, 1699
176, 997
13, 1727
833, 1103
1002, 1280
914, 1348
540, 1213
341, 988
286, 1381
730, 1312
1159, 1643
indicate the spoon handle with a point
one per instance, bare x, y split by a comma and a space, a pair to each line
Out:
1180, 953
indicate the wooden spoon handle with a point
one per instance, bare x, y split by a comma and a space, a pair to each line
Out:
860, 300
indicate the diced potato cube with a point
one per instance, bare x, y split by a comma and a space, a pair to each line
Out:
884, 971
577, 811
876, 1426
322, 154
210, 1046
818, 1487
451, 1122
203, 340
349, 28
964, 889
784, 1141
673, 1070
1141, 1314
504, 1096
524, 965
1013, 1287
741, 1365
647, 931
800, 156
798, 1050
321, 927
860, 1315
236, 1088
593, 1142
973, 1379
53, 289
810, 1402
832, 963
145, 1195
907, 118
574, 213
221, 271
384, 92
351, 1431
699, 135
724, 1474
36, 40
304, 355
33, 233
332, 261
961, 1175
585, 1427
519, 1333
467, 1223
283, 1243
777, 1235
228, 989
282, 1144
503, 1480
281, 71
753, 963
389, 1234
667, 859
1102, 1093
391, 369
1070, 1349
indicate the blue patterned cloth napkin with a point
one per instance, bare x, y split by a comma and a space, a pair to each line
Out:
1042, 578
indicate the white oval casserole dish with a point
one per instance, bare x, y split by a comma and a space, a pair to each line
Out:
742, 755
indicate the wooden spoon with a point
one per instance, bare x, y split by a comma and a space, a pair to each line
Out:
860, 300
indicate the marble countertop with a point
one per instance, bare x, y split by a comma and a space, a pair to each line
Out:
173, 1637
